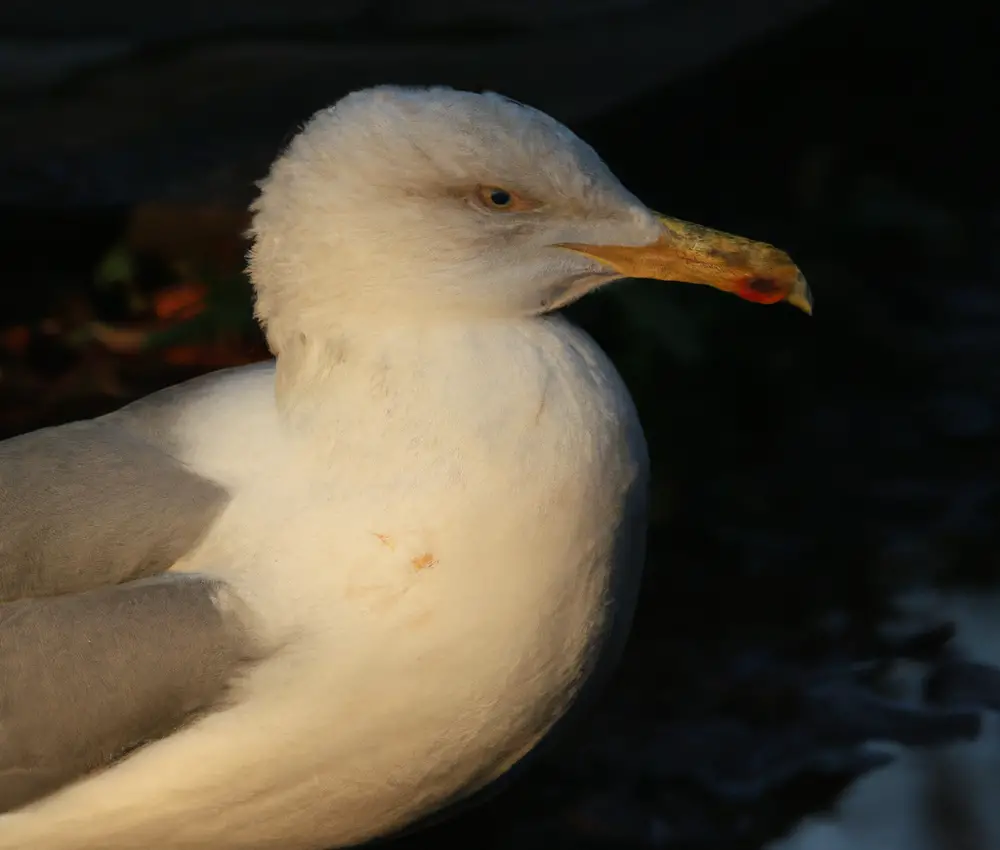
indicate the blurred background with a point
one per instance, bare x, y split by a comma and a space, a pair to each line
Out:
811, 665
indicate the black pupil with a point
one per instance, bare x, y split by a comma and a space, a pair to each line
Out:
499, 197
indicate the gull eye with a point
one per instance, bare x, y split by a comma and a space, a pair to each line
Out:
498, 199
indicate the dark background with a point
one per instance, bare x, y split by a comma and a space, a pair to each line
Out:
807, 470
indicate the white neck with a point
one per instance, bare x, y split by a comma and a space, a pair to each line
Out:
442, 399
373, 380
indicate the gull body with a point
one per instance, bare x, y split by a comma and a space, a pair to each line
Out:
315, 600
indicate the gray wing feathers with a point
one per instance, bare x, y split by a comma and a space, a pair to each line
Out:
92, 503
85, 678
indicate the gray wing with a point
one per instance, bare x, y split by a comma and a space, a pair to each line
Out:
85, 678
94, 503
98, 653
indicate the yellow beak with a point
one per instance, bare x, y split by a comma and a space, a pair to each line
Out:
691, 253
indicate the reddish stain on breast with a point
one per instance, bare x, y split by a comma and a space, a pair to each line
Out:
422, 562
385, 540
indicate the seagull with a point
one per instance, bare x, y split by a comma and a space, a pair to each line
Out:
313, 601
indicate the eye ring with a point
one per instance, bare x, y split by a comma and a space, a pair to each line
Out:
499, 199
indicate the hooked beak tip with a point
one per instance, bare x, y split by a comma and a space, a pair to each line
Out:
801, 295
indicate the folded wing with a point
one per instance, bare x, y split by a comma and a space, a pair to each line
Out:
86, 677
101, 649
92, 503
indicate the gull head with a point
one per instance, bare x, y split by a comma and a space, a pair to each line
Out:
428, 202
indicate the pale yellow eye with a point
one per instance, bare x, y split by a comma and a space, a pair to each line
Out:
498, 199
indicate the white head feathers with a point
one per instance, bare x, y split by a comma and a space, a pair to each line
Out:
381, 205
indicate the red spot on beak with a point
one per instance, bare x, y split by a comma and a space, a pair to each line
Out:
762, 290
